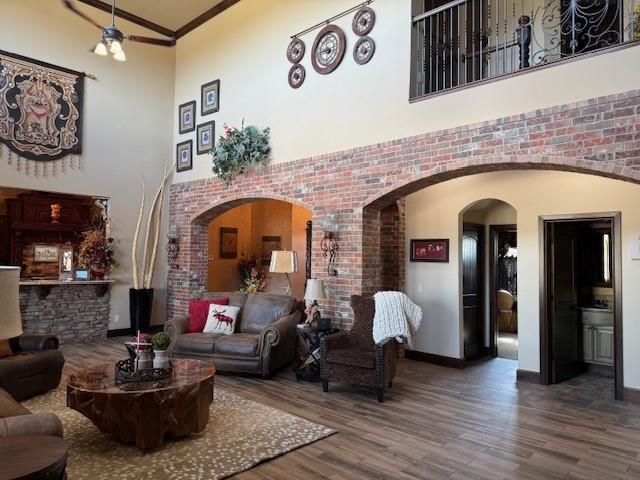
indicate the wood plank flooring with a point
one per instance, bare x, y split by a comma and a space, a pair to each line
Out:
441, 423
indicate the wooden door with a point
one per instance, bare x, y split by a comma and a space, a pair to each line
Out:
472, 275
565, 326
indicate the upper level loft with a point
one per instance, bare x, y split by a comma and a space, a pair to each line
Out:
464, 42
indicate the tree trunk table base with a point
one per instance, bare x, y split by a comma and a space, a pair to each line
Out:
145, 413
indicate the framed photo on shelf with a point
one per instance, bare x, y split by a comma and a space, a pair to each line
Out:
430, 250
269, 245
187, 117
228, 242
184, 156
210, 97
65, 270
81, 274
45, 253
205, 137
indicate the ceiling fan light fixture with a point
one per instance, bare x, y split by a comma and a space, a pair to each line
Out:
120, 56
100, 49
115, 47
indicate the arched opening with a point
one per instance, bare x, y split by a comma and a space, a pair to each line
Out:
248, 233
489, 278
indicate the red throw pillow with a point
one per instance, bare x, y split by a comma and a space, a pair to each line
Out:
199, 311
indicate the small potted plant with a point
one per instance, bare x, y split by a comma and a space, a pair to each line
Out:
160, 343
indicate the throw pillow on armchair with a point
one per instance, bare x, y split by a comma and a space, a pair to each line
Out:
199, 312
222, 319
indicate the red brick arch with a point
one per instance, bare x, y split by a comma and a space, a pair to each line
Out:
599, 136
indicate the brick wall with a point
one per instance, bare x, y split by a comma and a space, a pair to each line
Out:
72, 312
599, 136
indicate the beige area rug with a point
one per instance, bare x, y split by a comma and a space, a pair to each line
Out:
240, 434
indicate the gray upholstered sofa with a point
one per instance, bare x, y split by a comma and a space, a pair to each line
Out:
264, 338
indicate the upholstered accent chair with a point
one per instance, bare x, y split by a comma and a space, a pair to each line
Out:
17, 420
507, 318
34, 368
353, 357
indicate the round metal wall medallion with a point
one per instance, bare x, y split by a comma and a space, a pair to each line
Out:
295, 50
363, 50
297, 75
363, 21
328, 49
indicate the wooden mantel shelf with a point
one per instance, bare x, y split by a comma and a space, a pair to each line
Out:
44, 286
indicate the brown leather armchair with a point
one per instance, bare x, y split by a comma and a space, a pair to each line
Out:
352, 357
264, 338
34, 368
17, 420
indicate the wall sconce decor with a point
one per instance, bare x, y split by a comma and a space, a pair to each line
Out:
172, 245
329, 247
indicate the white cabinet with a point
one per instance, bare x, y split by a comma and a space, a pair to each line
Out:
603, 345
587, 343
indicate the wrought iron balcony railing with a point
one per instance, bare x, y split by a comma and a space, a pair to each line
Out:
465, 41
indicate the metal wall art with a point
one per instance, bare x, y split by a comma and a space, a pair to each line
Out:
330, 44
40, 108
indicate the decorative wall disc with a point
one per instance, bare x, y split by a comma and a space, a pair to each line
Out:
328, 49
363, 50
295, 50
297, 74
363, 21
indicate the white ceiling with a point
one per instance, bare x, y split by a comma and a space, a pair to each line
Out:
171, 14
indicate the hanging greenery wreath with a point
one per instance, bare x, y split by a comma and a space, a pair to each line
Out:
240, 150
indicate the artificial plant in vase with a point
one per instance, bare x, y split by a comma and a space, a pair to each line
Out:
141, 294
240, 150
252, 277
95, 252
160, 343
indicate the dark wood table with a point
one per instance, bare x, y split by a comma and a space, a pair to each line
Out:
33, 457
145, 413
309, 367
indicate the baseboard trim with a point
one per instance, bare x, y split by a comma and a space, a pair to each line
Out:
631, 395
435, 359
527, 376
125, 332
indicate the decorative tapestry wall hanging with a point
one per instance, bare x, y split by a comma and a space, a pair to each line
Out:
40, 108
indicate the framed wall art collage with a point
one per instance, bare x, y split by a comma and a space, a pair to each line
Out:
205, 131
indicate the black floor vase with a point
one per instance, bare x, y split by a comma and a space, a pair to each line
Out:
140, 303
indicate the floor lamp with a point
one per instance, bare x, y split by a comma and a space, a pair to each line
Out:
284, 261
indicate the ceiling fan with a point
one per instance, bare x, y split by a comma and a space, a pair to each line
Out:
112, 38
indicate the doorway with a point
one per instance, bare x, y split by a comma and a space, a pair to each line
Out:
581, 322
503, 291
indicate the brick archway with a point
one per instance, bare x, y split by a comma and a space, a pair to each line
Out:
597, 136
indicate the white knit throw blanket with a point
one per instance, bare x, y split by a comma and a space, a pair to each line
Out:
396, 317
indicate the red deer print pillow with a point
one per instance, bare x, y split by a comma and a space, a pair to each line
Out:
222, 319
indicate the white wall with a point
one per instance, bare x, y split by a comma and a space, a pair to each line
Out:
245, 47
434, 212
128, 113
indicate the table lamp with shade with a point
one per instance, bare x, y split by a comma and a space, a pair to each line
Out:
313, 293
284, 261
10, 320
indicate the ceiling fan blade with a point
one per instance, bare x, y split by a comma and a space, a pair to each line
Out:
71, 6
153, 41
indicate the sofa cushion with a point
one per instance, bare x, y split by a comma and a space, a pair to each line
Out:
9, 407
244, 344
5, 349
262, 309
235, 298
352, 357
199, 311
198, 343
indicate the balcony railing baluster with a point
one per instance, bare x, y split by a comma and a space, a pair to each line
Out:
503, 36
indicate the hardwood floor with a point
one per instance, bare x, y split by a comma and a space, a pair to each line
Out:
442, 423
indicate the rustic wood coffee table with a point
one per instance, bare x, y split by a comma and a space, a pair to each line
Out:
145, 413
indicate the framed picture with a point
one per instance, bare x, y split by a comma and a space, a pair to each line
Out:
81, 274
228, 242
210, 97
184, 156
431, 250
187, 117
45, 253
269, 244
206, 137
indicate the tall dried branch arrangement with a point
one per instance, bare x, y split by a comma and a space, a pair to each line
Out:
152, 234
